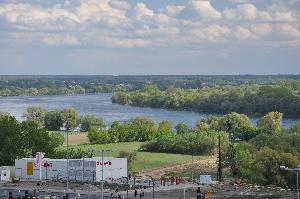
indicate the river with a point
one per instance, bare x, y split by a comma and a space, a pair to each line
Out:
100, 105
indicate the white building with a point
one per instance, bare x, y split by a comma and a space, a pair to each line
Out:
7, 173
86, 169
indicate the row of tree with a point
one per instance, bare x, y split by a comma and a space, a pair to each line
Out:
62, 85
67, 119
253, 100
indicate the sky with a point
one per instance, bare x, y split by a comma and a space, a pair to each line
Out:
149, 37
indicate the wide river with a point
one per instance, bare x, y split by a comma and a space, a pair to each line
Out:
100, 105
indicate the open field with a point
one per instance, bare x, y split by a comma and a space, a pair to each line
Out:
145, 160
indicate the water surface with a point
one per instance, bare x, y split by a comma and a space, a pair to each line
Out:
100, 105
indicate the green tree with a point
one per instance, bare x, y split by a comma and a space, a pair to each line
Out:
88, 121
182, 128
70, 118
142, 129
4, 114
119, 132
245, 156
295, 128
266, 167
130, 156
35, 113
165, 127
53, 120
73, 153
97, 136
233, 121
38, 139
270, 123
24, 140
12, 143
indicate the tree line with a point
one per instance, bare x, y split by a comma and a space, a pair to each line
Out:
68, 85
251, 100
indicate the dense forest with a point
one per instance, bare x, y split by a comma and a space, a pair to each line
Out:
67, 85
248, 99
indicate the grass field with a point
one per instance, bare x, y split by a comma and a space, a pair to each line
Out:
145, 160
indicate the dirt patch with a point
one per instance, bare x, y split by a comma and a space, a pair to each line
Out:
78, 138
206, 165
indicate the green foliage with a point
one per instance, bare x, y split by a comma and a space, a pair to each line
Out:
97, 136
24, 140
245, 156
142, 129
267, 167
35, 113
295, 128
4, 114
234, 121
73, 153
182, 128
119, 132
270, 123
203, 143
288, 143
246, 133
131, 158
88, 121
165, 128
252, 99
70, 118
121, 97
53, 120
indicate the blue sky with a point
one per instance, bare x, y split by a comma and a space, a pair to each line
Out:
118, 37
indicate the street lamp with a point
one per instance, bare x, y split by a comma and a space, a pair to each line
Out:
102, 180
297, 169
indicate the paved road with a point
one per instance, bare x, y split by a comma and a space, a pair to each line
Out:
4, 191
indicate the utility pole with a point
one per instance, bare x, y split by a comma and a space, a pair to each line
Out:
220, 175
102, 174
231, 149
67, 160
193, 167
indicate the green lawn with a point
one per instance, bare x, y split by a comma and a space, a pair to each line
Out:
145, 160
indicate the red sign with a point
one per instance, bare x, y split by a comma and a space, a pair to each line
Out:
105, 163
45, 164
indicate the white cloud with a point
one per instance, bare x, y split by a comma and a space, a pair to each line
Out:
142, 11
205, 9
287, 30
262, 29
117, 23
120, 4
243, 33
172, 10
246, 12
100, 11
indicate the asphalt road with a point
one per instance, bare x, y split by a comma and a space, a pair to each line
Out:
4, 191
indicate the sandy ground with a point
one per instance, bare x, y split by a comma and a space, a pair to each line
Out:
78, 138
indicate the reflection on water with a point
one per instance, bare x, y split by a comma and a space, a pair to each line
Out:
100, 105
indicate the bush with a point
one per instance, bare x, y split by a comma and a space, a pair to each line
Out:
131, 157
97, 136
88, 121
203, 143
